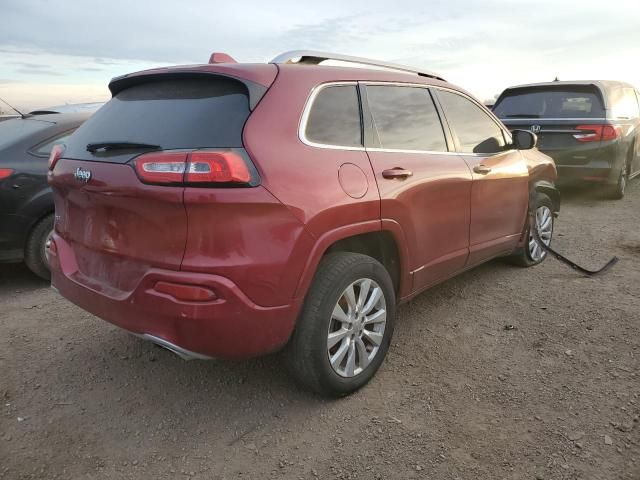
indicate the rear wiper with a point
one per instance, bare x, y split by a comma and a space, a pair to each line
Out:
523, 115
106, 146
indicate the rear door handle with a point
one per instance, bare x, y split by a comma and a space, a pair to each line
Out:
482, 169
397, 172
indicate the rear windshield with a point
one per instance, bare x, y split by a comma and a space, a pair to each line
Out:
554, 102
176, 113
14, 130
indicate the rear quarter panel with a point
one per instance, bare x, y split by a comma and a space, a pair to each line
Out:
247, 236
305, 178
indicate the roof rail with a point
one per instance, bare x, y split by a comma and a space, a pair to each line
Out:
311, 57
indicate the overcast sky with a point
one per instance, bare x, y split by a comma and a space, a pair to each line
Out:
66, 51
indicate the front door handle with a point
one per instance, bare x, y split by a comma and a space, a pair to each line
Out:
397, 172
482, 169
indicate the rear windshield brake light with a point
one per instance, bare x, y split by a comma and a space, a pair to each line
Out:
200, 167
597, 133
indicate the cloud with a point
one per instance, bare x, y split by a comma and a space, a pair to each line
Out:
485, 46
29, 96
37, 72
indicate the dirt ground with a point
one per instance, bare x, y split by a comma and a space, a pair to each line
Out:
460, 396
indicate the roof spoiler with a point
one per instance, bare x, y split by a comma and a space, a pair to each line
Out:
117, 84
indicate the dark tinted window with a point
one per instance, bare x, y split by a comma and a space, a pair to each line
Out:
185, 113
624, 103
475, 129
552, 102
406, 118
14, 130
334, 118
45, 148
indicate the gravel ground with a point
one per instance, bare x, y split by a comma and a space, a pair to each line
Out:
460, 396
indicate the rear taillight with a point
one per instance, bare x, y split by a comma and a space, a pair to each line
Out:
597, 133
198, 167
214, 167
5, 173
161, 167
54, 156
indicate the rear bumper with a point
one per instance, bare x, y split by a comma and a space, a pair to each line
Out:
231, 326
597, 171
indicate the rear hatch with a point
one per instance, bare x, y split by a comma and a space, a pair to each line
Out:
120, 182
568, 119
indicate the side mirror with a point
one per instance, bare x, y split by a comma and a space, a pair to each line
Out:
524, 139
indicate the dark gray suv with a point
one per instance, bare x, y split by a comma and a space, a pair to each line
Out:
589, 128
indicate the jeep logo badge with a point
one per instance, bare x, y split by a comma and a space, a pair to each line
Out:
82, 175
535, 128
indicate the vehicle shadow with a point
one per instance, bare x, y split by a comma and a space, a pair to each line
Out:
17, 277
130, 367
98, 385
109, 374
581, 194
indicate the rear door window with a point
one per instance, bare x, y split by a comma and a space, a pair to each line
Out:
175, 113
405, 118
44, 149
624, 104
550, 102
476, 131
334, 117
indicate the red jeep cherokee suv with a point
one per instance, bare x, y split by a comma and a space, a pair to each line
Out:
228, 210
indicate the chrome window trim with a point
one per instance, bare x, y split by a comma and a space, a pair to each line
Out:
505, 131
302, 127
401, 150
534, 120
318, 88
558, 131
491, 115
459, 154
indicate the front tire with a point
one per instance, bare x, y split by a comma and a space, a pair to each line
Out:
531, 253
35, 254
346, 325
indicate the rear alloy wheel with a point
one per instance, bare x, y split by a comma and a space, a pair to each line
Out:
35, 254
345, 327
356, 328
531, 253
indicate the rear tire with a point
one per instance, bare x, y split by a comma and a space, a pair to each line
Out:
345, 328
35, 254
617, 191
530, 253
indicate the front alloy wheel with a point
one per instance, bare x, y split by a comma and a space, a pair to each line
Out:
531, 253
544, 225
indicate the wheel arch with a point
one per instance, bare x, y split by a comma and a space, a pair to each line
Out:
368, 238
549, 189
37, 208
